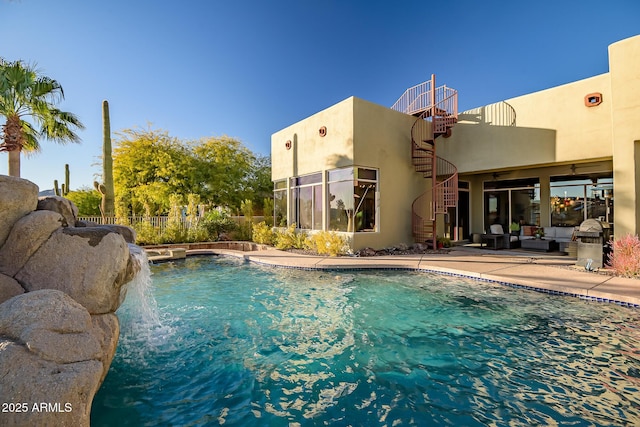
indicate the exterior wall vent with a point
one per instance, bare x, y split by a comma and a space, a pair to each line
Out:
593, 99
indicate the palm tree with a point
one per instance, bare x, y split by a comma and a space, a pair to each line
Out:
25, 93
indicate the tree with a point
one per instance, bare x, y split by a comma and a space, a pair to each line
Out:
24, 93
260, 182
148, 167
223, 168
87, 200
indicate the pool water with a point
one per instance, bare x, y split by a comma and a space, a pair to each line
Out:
234, 344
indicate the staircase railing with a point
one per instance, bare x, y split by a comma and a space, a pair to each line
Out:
437, 111
408, 99
443, 173
420, 98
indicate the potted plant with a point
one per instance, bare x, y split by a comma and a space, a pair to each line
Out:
539, 233
444, 242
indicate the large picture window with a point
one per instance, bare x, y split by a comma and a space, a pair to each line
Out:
307, 194
510, 202
353, 199
573, 201
280, 201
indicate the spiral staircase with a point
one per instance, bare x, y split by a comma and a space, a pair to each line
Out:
436, 109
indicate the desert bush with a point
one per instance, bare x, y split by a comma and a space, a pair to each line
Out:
289, 238
328, 243
146, 233
263, 234
268, 211
625, 256
217, 222
174, 233
242, 232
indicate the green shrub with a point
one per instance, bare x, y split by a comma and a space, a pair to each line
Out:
146, 234
268, 211
263, 234
291, 239
242, 232
174, 233
197, 233
328, 243
217, 222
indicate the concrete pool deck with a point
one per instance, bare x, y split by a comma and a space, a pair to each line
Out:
551, 273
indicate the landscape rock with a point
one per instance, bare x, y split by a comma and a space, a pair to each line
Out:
89, 264
18, 197
107, 330
128, 233
62, 393
86, 223
58, 328
26, 236
51, 325
64, 207
51, 353
367, 252
9, 288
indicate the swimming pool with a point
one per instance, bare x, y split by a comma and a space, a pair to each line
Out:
240, 345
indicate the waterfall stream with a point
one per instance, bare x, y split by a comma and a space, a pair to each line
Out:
140, 322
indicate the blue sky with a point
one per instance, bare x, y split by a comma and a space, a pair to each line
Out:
248, 68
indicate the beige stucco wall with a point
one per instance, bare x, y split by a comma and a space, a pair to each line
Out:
382, 141
552, 126
554, 130
309, 151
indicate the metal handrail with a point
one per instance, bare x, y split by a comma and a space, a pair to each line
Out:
438, 111
410, 95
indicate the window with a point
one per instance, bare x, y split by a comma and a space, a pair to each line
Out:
280, 203
307, 195
512, 201
352, 199
573, 201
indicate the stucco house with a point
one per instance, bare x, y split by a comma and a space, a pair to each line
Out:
421, 169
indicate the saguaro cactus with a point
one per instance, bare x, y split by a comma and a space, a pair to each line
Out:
107, 207
65, 186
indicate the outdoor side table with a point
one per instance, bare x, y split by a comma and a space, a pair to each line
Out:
545, 245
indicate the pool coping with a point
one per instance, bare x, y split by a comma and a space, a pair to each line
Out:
553, 275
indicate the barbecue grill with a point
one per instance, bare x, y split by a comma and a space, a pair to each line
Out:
592, 235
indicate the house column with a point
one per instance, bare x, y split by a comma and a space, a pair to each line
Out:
624, 57
545, 201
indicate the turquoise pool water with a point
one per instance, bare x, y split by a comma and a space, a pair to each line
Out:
233, 344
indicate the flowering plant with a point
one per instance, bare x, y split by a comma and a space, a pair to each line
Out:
539, 233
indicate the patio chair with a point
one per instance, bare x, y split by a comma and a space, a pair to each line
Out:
499, 239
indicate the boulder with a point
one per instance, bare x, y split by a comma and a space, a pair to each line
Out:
9, 288
366, 252
86, 223
89, 264
26, 236
128, 233
18, 197
107, 330
50, 355
51, 325
54, 394
64, 207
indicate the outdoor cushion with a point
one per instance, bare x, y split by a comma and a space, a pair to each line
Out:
496, 229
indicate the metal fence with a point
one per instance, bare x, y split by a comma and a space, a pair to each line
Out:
159, 222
